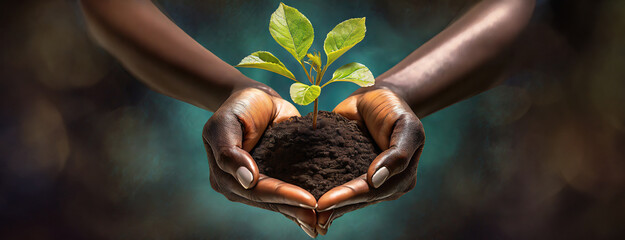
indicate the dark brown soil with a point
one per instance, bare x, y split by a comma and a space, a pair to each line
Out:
316, 160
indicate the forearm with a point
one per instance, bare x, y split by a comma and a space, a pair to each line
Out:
463, 60
160, 54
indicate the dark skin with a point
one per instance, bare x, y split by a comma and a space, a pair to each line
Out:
461, 61
169, 61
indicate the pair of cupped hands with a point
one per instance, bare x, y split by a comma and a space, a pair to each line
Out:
238, 124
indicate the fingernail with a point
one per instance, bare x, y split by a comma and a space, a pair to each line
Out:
322, 231
308, 207
327, 224
329, 208
379, 177
245, 177
310, 233
308, 230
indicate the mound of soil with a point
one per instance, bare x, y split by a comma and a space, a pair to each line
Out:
316, 160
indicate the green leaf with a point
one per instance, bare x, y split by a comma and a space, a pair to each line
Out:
266, 61
343, 37
303, 94
353, 72
292, 30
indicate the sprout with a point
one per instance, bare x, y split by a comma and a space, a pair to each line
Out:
294, 32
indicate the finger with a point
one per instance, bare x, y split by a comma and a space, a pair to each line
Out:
267, 189
347, 108
308, 229
250, 112
271, 190
344, 194
238, 163
322, 231
222, 133
306, 218
395, 128
284, 110
235, 128
380, 110
406, 138
325, 219
303, 217
245, 178
359, 191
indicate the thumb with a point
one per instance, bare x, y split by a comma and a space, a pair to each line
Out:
406, 138
238, 163
223, 134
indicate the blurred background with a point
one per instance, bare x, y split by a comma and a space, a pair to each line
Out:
89, 152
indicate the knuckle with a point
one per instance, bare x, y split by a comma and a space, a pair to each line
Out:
395, 196
254, 198
230, 197
218, 125
208, 127
418, 125
226, 153
402, 155
411, 185
270, 207
414, 126
412, 169
418, 128
398, 161
409, 116
222, 154
215, 184
420, 131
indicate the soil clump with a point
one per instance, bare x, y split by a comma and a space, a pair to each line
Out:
316, 160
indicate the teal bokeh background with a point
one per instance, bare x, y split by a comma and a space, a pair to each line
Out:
88, 152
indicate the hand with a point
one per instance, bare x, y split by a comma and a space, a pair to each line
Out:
230, 134
399, 133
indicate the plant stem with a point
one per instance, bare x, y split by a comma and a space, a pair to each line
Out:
320, 75
315, 110
315, 114
307, 75
328, 82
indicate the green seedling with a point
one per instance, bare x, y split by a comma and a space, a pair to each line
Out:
294, 32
